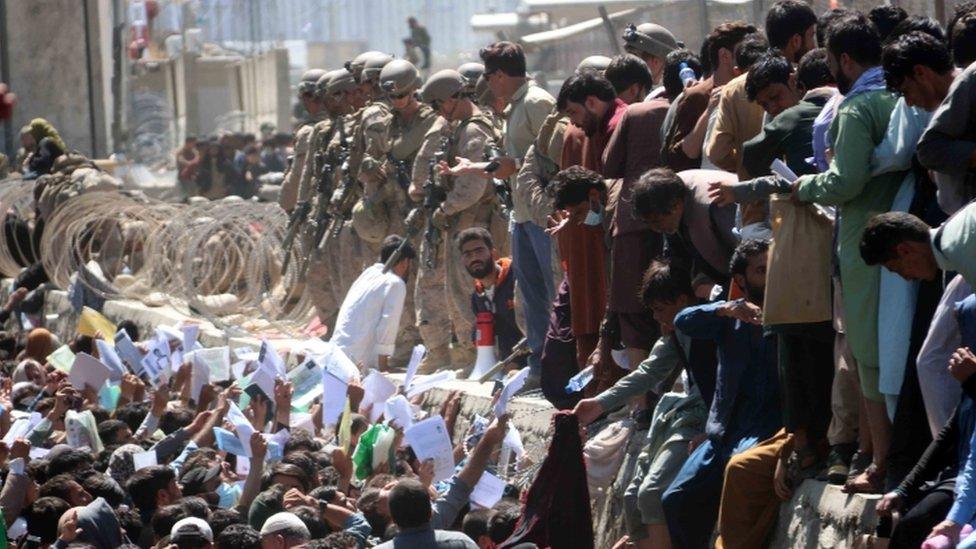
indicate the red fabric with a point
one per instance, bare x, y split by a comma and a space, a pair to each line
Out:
505, 263
556, 508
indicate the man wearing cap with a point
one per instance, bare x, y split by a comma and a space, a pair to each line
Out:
191, 530
469, 202
283, 531
316, 112
652, 43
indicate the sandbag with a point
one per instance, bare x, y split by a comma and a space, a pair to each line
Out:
798, 273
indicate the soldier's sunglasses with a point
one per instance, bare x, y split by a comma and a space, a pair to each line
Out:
399, 95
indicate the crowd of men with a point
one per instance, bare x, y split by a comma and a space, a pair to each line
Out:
638, 208
756, 260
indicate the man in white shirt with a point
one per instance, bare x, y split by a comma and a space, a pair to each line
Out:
368, 320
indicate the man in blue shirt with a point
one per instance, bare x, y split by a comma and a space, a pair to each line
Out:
745, 407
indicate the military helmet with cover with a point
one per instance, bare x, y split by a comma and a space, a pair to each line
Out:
470, 72
594, 63
442, 85
399, 76
374, 65
309, 78
650, 38
356, 65
341, 81
323, 83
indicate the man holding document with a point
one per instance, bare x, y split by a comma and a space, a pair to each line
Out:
368, 320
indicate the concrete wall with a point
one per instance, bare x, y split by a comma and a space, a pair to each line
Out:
57, 68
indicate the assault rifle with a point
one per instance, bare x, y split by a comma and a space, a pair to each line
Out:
434, 196
295, 223
502, 189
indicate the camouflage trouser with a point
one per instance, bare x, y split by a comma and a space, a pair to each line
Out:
319, 281
444, 292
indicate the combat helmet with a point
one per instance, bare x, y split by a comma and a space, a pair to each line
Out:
373, 66
355, 67
399, 76
442, 85
309, 78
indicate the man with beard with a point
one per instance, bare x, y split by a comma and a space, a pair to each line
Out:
745, 407
791, 28
494, 286
854, 56
366, 327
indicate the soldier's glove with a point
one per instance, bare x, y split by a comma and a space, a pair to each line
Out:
439, 219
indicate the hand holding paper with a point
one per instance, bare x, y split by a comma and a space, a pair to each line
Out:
512, 386
430, 440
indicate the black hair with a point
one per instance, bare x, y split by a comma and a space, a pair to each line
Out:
502, 523
335, 540
581, 85
109, 430
749, 50
129, 520
885, 231
165, 517
145, 483
301, 439
626, 70
671, 79
901, 56
409, 504
767, 70
507, 57
918, 23
572, 186
368, 504
133, 413
475, 523
391, 243
813, 70
886, 18
312, 518
196, 506
703, 56
69, 461
475, 233
238, 536
856, 36
827, 19
58, 486
665, 281
102, 485
786, 19
221, 519
962, 40
42, 518
742, 253
130, 328
726, 36
657, 191
175, 418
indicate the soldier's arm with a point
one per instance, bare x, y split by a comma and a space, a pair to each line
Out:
289, 188
376, 143
468, 189
306, 183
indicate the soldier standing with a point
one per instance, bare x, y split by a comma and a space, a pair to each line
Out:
316, 111
469, 202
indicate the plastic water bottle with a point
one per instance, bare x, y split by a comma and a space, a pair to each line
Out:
687, 75
580, 380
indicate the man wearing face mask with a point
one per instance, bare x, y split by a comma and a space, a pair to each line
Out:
469, 202
581, 300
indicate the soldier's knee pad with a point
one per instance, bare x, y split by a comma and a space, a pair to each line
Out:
369, 227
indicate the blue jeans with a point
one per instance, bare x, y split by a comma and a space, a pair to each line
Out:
532, 260
691, 502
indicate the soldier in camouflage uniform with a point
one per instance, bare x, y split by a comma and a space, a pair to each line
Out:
316, 111
470, 202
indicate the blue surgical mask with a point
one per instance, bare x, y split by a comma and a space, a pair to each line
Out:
594, 218
229, 494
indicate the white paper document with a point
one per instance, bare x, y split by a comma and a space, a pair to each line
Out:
488, 491
217, 360
415, 357
377, 388
424, 383
430, 440
141, 460
88, 370
398, 412
512, 386
333, 398
108, 356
